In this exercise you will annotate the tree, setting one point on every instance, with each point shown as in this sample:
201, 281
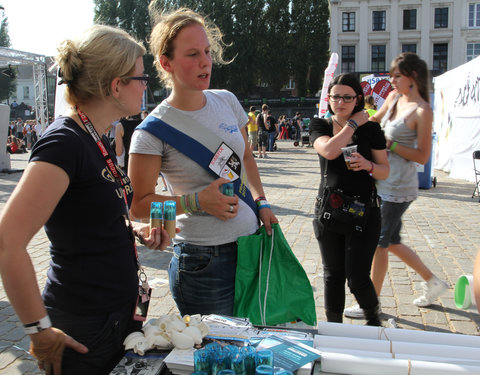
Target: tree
268, 40
7, 84
310, 34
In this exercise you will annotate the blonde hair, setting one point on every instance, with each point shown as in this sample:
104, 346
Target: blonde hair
168, 25
89, 63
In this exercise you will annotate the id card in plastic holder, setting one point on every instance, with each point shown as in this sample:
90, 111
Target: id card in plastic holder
143, 301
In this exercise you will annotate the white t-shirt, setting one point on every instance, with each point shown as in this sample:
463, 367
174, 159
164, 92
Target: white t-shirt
224, 116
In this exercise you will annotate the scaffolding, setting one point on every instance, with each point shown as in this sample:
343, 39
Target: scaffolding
9, 56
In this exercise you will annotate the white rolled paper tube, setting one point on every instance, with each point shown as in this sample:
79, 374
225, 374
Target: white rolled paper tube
463, 352
353, 343
464, 293
435, 368
368, 332
354, 365
427, 358
358, 353
348, 330
437, 338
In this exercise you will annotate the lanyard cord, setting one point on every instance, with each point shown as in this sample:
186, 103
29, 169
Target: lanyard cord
113, 169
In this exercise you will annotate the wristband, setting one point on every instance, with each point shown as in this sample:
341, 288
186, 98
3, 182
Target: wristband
393, 146
370, 172
38, 326
260, 199
263, 206
261, 202
197, 201
353, 124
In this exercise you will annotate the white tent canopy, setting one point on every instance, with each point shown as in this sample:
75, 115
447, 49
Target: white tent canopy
457, 119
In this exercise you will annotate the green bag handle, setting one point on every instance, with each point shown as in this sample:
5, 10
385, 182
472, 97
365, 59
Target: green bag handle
263, 313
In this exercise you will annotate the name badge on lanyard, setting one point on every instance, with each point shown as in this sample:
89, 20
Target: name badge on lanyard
226, 163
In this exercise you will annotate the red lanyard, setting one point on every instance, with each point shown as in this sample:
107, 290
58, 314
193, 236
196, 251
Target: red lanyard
113, 169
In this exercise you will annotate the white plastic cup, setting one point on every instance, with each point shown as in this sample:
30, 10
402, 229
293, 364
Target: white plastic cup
347, 154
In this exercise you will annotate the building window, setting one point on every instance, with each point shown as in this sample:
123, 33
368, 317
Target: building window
440, 57
441, 18
26, 92
348, 21
348, 59
409, 48
474, 15
378, 58
378, 20
473, 50
291, 84
409, 19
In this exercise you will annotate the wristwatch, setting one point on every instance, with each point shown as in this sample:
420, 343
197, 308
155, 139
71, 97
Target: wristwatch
38, 326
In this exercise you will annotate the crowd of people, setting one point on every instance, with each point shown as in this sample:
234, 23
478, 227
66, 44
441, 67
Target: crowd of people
23, 133
90, 301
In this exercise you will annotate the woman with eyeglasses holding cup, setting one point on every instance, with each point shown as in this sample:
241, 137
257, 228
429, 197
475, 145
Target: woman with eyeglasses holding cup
349, 256
73, 187
406, 118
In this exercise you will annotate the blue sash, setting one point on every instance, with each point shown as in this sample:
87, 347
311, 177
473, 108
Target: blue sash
172, 126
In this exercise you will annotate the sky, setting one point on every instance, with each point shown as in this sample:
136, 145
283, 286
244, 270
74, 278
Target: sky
38, 26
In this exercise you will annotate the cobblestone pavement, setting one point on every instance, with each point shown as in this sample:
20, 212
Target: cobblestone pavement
443, 226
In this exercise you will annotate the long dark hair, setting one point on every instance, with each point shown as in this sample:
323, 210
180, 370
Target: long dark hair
348, 79
410, 65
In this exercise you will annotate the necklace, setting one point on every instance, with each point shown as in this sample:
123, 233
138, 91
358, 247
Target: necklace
334, 119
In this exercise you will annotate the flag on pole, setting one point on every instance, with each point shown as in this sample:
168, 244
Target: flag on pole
329, 72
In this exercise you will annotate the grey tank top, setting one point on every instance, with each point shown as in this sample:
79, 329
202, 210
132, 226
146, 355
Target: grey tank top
402, 182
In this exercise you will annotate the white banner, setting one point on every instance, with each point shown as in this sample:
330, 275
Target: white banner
327, 78
457, 119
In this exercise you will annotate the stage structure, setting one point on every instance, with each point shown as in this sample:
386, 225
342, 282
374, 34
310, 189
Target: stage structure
11, 57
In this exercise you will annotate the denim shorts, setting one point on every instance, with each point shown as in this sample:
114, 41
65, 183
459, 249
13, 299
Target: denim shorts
202, 278
392, 213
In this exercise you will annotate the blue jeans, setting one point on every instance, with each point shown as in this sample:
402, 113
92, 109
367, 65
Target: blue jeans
202, 278
391, 223
102, 334
271, 141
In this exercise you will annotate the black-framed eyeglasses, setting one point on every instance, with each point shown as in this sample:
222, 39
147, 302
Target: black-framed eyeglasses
345, 98
145, 78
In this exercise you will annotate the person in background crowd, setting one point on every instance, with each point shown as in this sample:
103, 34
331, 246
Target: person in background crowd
184, 45
252, 130
406, 118
370, 105
272, 131
123, 135
262, 132
73, 188
349, 257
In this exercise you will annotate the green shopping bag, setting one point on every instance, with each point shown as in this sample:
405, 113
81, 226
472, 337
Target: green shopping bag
271, 286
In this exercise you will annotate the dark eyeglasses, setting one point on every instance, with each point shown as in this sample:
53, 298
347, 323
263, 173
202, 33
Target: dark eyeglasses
345, 98
145, 78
